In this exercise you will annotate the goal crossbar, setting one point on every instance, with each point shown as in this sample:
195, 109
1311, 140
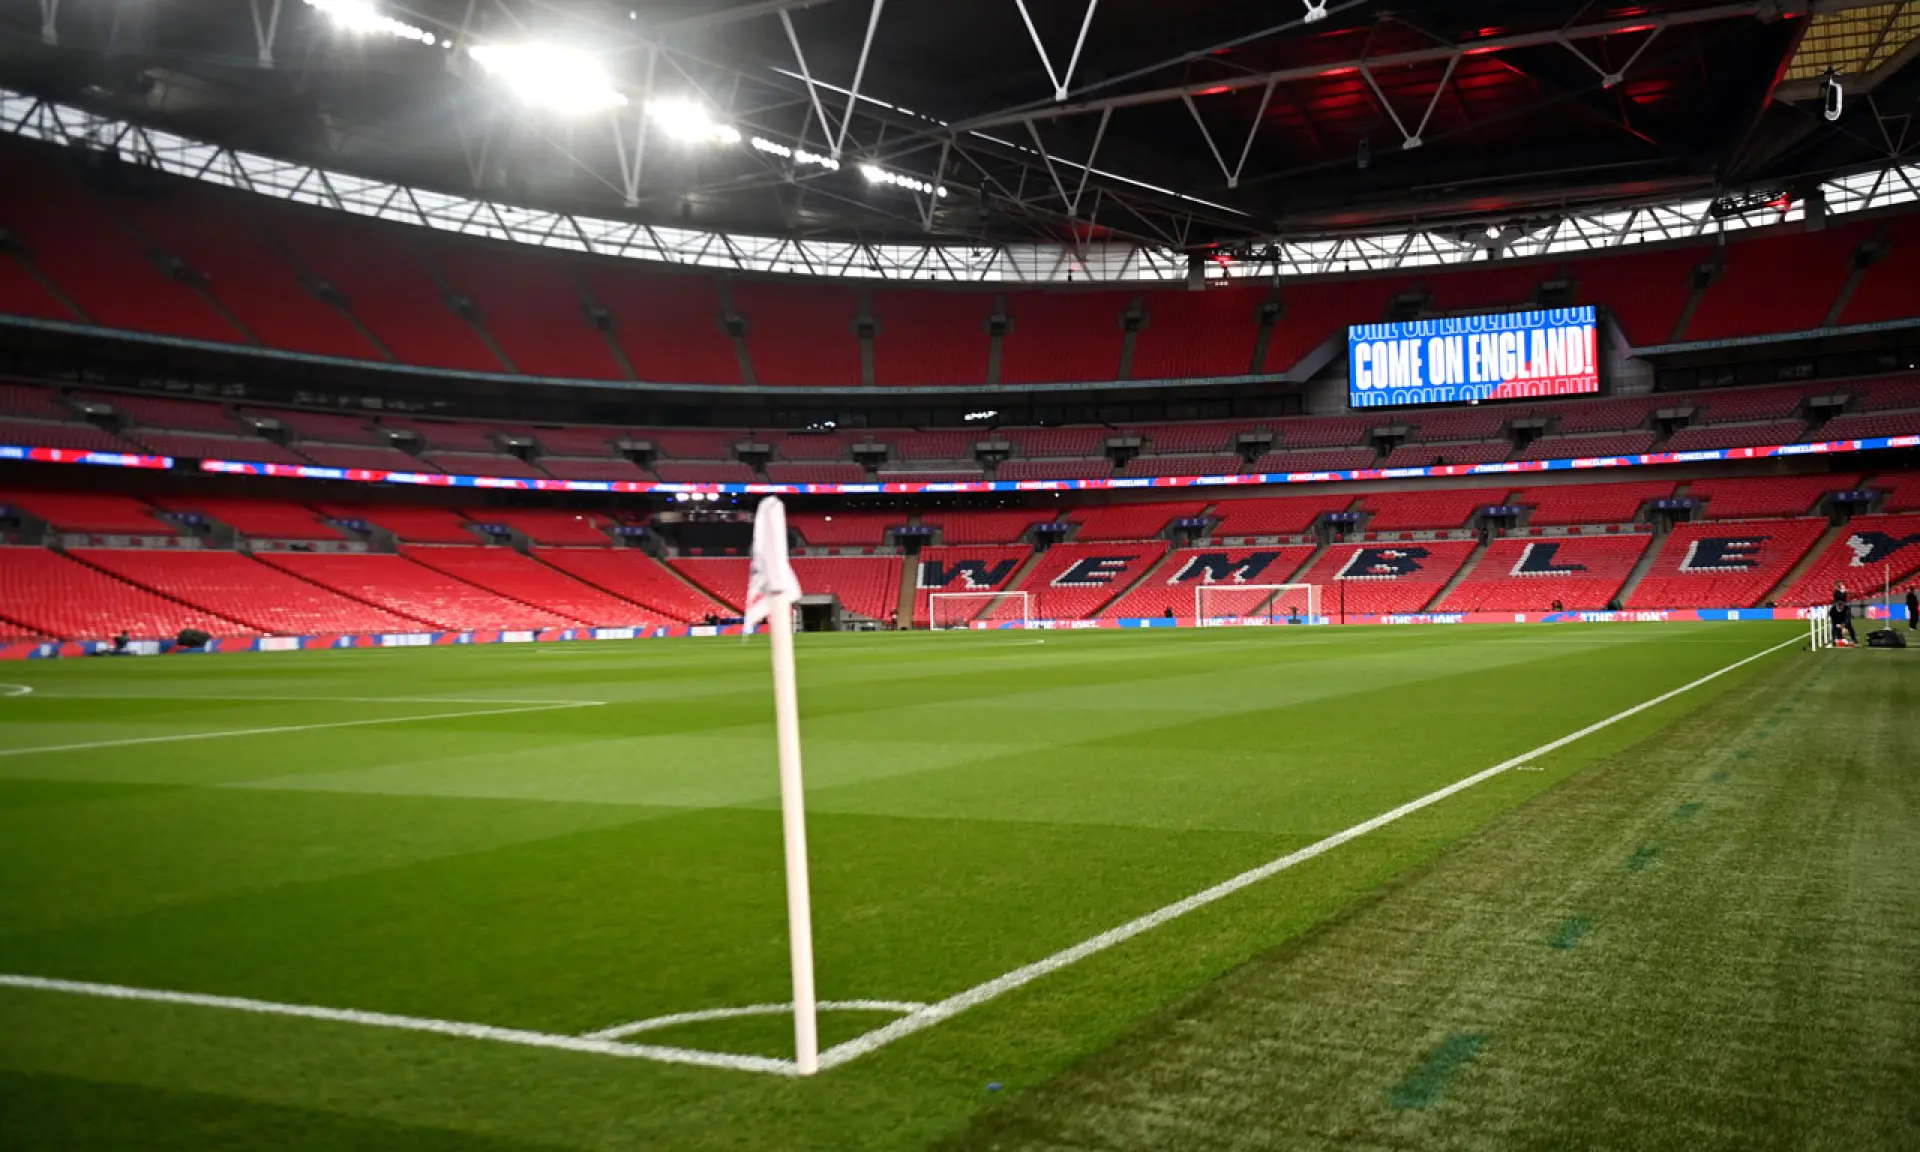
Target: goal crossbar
1265, 602
988, 605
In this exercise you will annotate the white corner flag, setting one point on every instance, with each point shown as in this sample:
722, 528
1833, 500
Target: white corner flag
772, 589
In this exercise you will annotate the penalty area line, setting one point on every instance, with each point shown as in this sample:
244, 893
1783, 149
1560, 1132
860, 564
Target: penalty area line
1000, 985
177, 737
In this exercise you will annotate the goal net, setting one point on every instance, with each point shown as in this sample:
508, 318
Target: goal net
1219, 604
978, 609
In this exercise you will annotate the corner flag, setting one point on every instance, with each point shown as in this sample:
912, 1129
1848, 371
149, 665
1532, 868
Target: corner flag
772, 589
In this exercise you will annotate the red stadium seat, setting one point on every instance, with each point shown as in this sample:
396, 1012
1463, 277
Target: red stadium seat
1615, 503
1062, 337
1077, 581
1713, 436
53, 595
866, 585
800, 335
102, 513
526, 580
259, 519
532, 306
258, 595
1743, 497
548, 526
1189, 335
415, 525
1436, 508
634, 576
1173, 585
416, 591
1871, 555
844, 529
1275, 516
925, 337
965, 568
1529, 575
1717, 565
1385, 578
1131, 521
1783, 280
666, 323
984, 527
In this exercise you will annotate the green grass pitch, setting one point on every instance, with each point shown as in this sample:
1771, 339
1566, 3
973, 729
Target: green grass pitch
430, 834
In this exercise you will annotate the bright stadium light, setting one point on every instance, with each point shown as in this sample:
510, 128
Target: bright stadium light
562, 79
689, 122
800, 156
878, 175
361, 16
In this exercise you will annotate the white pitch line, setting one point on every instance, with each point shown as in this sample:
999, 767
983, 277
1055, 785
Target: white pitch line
518, 1036
291, 728
15, 690
184, 697
1000, 985
656, 1023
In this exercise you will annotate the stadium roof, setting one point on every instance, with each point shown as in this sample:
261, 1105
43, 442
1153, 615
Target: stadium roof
1056, 122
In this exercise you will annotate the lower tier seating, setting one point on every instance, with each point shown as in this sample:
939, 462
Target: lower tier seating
47, 593
413, 590
258, 519
1870, 553
1385, 578
262, 597
722, 577
92, 512
1724, 565
633, 575
1172, 587
1076, 581
964, 569
1529, 575
867, 585
1131, 521
523, 579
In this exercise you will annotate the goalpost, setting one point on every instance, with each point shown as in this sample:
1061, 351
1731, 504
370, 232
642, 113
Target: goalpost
966, 609
1221, 604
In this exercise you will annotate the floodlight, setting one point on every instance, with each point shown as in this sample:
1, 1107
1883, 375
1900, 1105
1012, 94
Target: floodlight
361, 16
689, 122
797, 155
562, 79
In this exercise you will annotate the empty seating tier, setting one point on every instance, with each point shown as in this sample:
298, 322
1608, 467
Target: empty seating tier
1172, 586
1530, 575
92, 512
1076, 581
262, 597
526, 580
1275, 516
416, 591
840, 529
968, 569
634, 576
411, 524
1439, 508
866, 585
1131, 521
986, 527
1388, 578
1743, 497
52, 595
1705, 564
1617, 503
259, 519
1870, 555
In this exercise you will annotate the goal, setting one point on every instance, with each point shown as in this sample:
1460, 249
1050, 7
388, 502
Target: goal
1221, 604
978, 609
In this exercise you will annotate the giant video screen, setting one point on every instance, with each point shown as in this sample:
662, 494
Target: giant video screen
1470, 358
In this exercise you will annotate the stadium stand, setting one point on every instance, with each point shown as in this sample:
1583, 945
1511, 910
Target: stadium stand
724, 578
1752, 296
1061, 336
1197, 334
1274, 516
166, 413
525, 580
1871, 554
866, 585
414, 525
1198, 437
368, 459
390, 290
1625, 414
666, 324
1866, 425
691, 443
1326, 460
934, 475
53, 595
1424, 455
216, 233
1888, 290
1131, 521
261, 597
1077, 441
1902, 491
32, 403
191, 447
780, 473
328, 427
1476, 423
1172, 586
1312, 314
1732, 565
843, 529
1323, 432
1644, 292
914, 445
965, 568
1054, 470
547, 526
1385, 578
531, 306
77, 241
1613, 503
800, 335
258, 519
1074, 581
1479, 288
1891, 392
1742, 497
103, 513
995, 527
447, 435
824, 447
405, 588
564, 469
689, 472
1571, 447
1736, 404
924, 337
1180, 466
46, 434
1435, 508
23, 294
577, 441
1522, 575
635, 576
1734, 436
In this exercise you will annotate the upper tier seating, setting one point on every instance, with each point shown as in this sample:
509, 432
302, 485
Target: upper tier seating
995, 527
633, 575
1622, 414
389, 288
1188, 335
1314, 313
844, 529
1173, 585
1728, 498
1612, 503
531, 305
215, 232
1476, 423
482, 464
549, 526
1426, 455
1385, 577
578, 441
77, 240
166, 412
563, 469
1054, 470
1076, 581
1204, 436
415, 525
1061, 336
866, 585
365, 459
1325, 460
1275, 516
666, 323
1435, 508
1889, 290
526, 580
249, 448
1868, 425
926, 337
1131, 521
413, 590
1484, 288
966, 568
1782, 281
1180, 466
52, 595
22, 293
1078, 441
1644, 292
1869, 554
258, 519
800, 335
1882, 394
30, 403
1521, 575
261, 597
1734, 436
328, 427
1706, 564
1581, 447
693, 472
103, 513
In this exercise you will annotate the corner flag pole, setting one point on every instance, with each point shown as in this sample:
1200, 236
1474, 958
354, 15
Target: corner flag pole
772, 590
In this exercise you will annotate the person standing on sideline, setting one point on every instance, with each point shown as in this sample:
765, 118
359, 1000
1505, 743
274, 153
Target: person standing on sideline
1913, 610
